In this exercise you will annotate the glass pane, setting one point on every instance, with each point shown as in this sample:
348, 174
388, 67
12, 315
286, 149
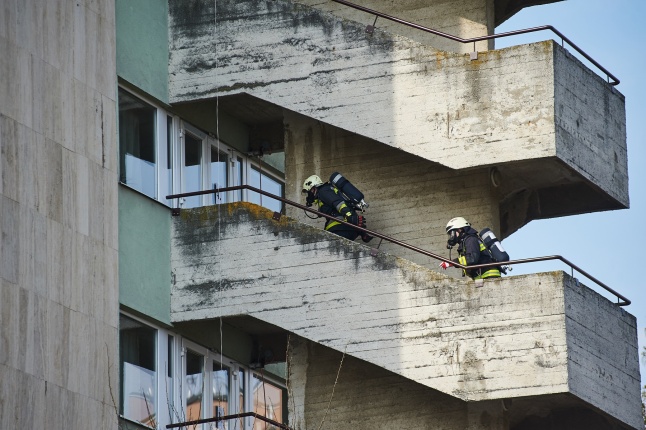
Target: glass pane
194, 385
267, 401
218, 175
169, 158
265, 183
241, 396
192, 169
237, 179
137, 144
137, 358
169, 367
220, 386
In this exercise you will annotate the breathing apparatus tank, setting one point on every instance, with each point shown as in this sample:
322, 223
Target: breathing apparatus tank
350, 192
493, 244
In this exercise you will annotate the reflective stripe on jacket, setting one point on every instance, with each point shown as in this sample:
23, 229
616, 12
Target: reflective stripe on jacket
331, 203
471, 252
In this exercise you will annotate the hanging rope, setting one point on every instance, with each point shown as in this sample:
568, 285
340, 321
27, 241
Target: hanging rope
333, 387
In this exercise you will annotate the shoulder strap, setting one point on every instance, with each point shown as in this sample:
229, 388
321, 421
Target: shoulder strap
487, 248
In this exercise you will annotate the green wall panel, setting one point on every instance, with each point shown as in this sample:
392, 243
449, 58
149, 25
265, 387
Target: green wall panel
144, 255
142, 45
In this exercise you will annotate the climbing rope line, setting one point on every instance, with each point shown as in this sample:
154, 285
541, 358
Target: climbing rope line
333, 388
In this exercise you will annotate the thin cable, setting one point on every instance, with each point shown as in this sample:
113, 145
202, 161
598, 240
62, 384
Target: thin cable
215, 200
333, 387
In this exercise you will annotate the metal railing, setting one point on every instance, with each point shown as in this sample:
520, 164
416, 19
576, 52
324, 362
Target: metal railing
624, 301
229, 417
473, 40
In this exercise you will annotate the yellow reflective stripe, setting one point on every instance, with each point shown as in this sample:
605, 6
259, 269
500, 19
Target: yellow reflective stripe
463, 261
491, 273
332, 224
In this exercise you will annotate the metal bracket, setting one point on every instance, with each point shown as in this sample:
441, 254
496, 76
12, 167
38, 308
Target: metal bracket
175, 211
473, 55
371, 28
276, 216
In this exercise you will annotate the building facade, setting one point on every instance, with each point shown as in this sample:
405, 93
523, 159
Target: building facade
122, 307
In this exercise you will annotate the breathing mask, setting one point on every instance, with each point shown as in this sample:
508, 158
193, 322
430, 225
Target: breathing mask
453, 239
309, 200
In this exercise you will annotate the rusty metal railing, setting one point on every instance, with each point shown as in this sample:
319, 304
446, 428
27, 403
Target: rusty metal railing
473, 40
624, 301
229, 417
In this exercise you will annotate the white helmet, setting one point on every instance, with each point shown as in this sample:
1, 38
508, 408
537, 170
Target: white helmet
312, 181
455, 223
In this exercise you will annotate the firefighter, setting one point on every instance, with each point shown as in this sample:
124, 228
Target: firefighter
331, 202
471, 249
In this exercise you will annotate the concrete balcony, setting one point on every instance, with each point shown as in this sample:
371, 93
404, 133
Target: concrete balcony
535, 338
553, 129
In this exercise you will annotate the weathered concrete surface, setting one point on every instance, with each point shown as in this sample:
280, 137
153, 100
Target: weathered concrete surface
512, 338
343, 392
508, 106
411, 199
461, 18
58, 215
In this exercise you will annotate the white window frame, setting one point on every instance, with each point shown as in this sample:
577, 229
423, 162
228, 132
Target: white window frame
209, 359
179, 128
198, 135
161, 142
167, 399
252, 163
175, 149
224, 148
161, 347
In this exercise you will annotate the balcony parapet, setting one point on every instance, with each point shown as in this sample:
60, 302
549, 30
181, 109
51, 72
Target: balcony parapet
519, 336
539, 115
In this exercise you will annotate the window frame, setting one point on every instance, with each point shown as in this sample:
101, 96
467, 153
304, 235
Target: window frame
170, 131
170, 393
269, 171
161, 132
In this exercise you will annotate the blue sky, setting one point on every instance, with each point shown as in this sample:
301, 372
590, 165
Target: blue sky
608, 245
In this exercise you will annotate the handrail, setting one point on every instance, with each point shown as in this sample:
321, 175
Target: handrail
625, 301
229, 417
491, 36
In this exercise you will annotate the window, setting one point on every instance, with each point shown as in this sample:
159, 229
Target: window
267, 183
170, 145
219, 175
138, 369
194, 385
147, 144
166, 378
192, 169
220, 388
137, 144
161, 154
268, 400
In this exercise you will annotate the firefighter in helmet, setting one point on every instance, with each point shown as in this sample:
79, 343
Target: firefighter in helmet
471, 249
331, 202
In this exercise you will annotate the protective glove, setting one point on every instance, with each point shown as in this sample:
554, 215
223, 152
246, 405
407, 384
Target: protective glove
352, 217
444, 265
362, 221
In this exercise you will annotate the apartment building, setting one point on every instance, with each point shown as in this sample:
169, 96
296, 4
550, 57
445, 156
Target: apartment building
122, 307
